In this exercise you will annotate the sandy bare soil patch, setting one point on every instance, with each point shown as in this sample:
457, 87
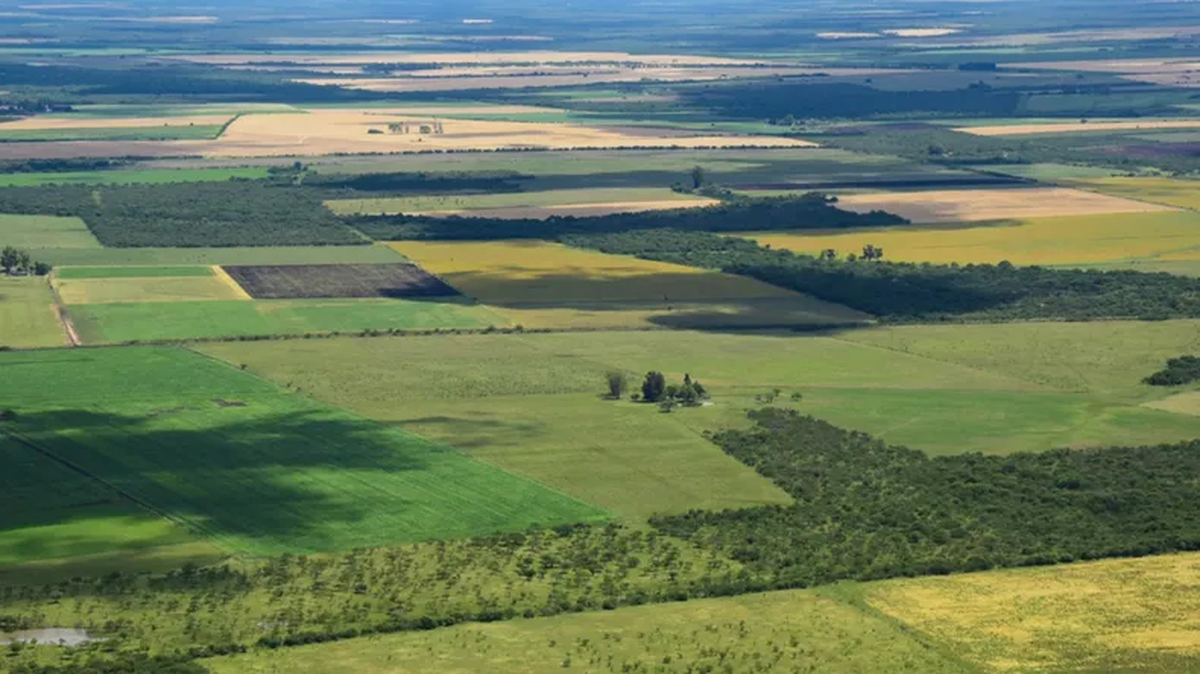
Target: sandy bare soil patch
997, 204
575, 210
1074, 127
518, 57
334, 131
43, 123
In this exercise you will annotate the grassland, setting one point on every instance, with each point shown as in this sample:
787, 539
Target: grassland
1113, 615
531, 403
266, 471
146, 321
777, 632
540, 284
111, 290
132, 176
27, 315
76, 273
1182, 193
198, 132
46, 231
217, 256
1061, 240
467, 203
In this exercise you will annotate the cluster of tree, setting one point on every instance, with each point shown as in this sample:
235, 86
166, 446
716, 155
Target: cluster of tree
656, 390
810, 211
867, 510
232, 213
58, 165
422, 182
15, 261
1179, 371
921, 292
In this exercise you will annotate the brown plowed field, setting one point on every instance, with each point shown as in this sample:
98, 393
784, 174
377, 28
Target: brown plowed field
277, 282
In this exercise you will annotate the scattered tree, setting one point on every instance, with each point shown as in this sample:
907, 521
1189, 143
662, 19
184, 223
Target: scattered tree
617, 383
698, 177
654, 387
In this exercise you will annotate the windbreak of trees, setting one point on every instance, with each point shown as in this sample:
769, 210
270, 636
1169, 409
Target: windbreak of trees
867, 510
17, 261
58, 165
1179, 371
906, 292
810, 211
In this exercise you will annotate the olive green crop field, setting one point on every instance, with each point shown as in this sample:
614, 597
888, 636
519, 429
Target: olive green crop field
241, 462
532, 403
27, 316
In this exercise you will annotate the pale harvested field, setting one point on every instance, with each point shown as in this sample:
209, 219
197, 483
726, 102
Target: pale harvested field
922, 32
1119, 66
39, 123
999, 204
1075, 127
337, 131
1092, 616
1059, 240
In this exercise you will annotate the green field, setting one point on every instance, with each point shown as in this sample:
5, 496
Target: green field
196, 132
27, 316
145, 321
253, 467
70, 273
794, 631
132, 176
46, 231
66, 256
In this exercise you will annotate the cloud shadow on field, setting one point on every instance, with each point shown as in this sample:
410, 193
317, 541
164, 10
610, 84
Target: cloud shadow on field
307, 480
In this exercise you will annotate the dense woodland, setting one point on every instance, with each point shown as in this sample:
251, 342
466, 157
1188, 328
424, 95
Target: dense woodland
1179, 371
868, 510
909, 292
811, 211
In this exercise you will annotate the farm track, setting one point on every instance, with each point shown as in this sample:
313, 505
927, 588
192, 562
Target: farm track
60, 310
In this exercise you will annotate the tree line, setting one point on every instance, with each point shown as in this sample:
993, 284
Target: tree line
18, 262
910, 292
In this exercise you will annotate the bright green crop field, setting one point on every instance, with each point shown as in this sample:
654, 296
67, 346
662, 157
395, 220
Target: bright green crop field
132, 176
45, 231
62, 255
27, 317
148, 321
195, 132
72, 273
252, 467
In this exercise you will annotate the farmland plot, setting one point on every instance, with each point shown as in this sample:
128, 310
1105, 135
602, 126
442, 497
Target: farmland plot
27, 315
401, 281
999, 204
253, 467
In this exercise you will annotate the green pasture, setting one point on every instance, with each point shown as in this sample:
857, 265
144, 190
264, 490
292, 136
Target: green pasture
37, 232
64, 256
132, 176
146, 321
73, 273
1051, 172
793, 631
27, 317
192, 132
254, 467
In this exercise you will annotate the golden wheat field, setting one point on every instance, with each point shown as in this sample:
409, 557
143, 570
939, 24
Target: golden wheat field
1053, 240
1095, 616
539, 284
993, 204
339, 131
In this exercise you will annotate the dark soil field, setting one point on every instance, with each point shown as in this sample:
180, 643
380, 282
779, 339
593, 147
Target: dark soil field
276, 282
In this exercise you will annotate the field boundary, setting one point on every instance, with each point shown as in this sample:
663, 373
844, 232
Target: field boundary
60, 310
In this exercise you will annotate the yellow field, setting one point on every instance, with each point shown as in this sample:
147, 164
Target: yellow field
1075, 127
39, 123
1095, 616
551, 202
225, 279
1061, 240
1187, 402
539, 284
1169, 191
147, 289
336, 131
995, 204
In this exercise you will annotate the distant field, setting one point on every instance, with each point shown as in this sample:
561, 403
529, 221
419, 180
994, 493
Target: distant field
66, 122
1050, 240
792, 631
100, 290
72, 273
266, 471
123, 322
1051, 172
218, 256
132, 176
996, 204
27, 316
199, 132
1112, 615
1076, 127
396, 281
467, 203
45, 231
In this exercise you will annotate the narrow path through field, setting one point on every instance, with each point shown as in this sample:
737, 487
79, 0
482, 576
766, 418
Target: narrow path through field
60, 310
